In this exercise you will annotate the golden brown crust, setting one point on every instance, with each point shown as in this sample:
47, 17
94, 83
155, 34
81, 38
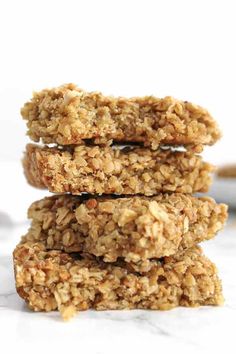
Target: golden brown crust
68, 115
136, 229
50, 280
106, 170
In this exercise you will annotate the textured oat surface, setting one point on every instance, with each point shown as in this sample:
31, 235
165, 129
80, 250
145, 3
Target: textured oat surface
136, 229
50, 280
105, 170
67, 115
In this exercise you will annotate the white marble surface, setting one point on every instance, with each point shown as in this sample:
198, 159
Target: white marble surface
180, 330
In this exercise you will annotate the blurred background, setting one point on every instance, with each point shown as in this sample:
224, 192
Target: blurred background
181, 48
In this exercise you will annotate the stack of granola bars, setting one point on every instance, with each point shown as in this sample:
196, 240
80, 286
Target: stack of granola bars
123, 232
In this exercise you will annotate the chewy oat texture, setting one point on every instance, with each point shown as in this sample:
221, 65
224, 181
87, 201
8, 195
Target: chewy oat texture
105, 170
136, 229
50, 280
68, 115
124, 234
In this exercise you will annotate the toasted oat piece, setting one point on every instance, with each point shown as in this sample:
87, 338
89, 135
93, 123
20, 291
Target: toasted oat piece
50, 280
105, 170
135, 229
68, 115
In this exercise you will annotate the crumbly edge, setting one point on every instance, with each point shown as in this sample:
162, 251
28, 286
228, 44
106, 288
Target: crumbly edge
137, 229
227, 171
106, 170
68, 115
51, 280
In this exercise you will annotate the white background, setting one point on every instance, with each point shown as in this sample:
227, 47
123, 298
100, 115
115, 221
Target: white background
181, 48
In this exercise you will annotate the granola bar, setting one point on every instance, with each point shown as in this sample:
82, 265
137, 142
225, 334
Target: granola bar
68, 115
135, 229
105, 170
51, 280
227, 171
